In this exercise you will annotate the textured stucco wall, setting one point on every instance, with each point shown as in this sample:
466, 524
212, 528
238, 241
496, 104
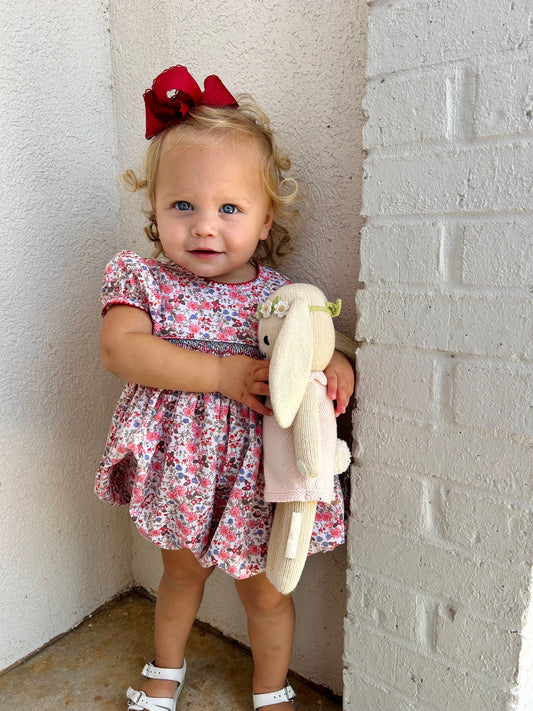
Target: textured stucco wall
303, 63
62, 553
441, 544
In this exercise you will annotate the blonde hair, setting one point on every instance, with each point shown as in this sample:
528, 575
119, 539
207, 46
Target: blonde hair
209, 126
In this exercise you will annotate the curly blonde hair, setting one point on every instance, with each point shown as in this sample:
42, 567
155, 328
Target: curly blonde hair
208, 125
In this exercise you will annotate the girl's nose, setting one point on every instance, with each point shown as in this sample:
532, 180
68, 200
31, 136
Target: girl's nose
204, 226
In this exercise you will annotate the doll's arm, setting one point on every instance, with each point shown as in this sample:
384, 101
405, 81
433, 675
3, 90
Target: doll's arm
341, 381
307, 436
129, 350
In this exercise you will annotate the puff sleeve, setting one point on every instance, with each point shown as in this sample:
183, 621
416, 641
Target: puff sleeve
129, 281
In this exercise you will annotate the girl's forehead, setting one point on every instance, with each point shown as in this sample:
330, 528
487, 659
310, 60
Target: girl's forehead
227, 158
206, 141
227, 167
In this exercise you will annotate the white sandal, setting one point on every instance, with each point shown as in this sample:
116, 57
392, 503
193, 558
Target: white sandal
285, 694
141, 702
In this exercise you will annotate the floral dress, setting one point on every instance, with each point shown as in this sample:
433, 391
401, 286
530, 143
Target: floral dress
189, 464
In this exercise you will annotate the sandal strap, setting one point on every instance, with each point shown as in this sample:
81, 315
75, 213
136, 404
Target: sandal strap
149, 703
150, 671
285, 694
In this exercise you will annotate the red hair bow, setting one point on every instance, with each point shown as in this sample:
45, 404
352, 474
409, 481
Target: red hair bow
174, 93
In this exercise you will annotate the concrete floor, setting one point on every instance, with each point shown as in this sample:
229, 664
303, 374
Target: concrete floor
90, 668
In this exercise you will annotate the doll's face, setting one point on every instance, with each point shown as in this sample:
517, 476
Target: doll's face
269, 329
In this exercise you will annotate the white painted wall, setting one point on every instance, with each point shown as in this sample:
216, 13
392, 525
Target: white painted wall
441, 537
303, 62
62, 553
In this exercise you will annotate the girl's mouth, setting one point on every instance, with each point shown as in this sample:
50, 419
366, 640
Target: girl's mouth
204, 253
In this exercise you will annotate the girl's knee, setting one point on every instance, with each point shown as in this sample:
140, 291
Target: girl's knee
259, 596
181, 568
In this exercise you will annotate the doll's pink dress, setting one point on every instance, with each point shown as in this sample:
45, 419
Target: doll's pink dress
189, 464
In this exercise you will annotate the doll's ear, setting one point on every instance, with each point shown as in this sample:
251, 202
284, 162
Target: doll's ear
290, 365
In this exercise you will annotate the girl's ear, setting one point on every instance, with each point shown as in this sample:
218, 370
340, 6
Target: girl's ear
269, 219
290, 365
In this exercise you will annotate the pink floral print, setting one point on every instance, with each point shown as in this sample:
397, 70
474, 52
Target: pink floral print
189, 464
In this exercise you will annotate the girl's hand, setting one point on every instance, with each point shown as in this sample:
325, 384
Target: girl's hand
341, 381
245, 380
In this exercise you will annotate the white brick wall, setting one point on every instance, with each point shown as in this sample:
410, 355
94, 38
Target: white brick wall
441, 530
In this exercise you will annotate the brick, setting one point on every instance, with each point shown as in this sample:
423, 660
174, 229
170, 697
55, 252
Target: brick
403, 380
476, 644
360, 694
440, 684
402, 254
377, 655
427, 683
486, 460
383, 604
492, 397
456, 323
456, 180
428, 33
501, 530
492, 326
392, 500
417, 320
498, 254
406, 109
504, 97
488, 589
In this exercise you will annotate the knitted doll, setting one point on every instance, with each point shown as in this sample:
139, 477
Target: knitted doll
301, 450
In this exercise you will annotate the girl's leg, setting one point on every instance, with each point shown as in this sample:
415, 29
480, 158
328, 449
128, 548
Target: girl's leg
178, 600
270, 629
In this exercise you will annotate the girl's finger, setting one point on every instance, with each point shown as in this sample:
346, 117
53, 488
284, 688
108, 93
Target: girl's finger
332, 386
260, 388
262, 374
342, 402
257, 406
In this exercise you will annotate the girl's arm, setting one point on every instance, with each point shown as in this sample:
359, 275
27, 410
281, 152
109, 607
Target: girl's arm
130, 350
341, 381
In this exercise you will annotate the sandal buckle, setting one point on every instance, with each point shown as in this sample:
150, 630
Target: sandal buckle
134, 695
285, 694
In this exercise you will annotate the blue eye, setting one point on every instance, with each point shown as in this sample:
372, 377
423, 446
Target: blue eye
183, 205
229, 209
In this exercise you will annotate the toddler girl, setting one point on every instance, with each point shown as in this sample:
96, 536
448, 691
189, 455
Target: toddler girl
184, 448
